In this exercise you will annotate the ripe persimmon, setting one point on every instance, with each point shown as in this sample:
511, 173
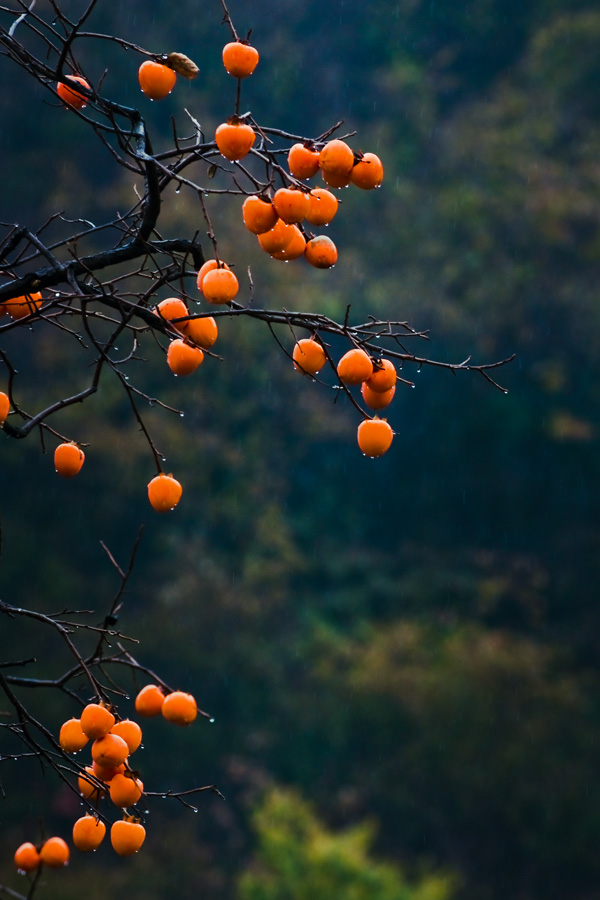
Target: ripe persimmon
27, 858
96, 720
258, 215
336, 179
130, 731
368, 172
164, 493
277, 238
68, 459
240, 59
183, 358
374, 437
355, 366
377, 400
110, 750
149, 700
220, 286
383, 377
19, 307
125, 790
107, 773
294, 249
156, 80
179, 708
291, 205
172, 308
86, 784
322, 207
336, 158
55, 853
207, 267
127, 836
71, 737
234, 138
4, 407
88, 833
202, 331
321, 252
303, 161
71, 97
309, 356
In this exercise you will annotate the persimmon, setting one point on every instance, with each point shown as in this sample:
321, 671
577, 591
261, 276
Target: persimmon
125, 790
277, 238
110, 750
377, 400
71, 97
156, 80
107, 773
220, 286
355, 366
258, 215
130, 731
164, 493
368, 172
336, 179
71, 737
179, 708
207, 267
149, 700
202, 331
294, 249
336, 158
68, 459
55, 852
308, 356
87, 786
374, 437
291, 205
127, 836
182, 358
234, 139
88, 833
321, 252
96, 720
4, 407
322, 206
240, 59
19, 307
383, 377
303, 161
27, 858
172, 308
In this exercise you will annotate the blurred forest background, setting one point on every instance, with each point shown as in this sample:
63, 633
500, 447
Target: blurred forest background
402, 656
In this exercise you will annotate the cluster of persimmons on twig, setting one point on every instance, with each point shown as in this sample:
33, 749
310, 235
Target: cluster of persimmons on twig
109, 785
102, 285
99, 297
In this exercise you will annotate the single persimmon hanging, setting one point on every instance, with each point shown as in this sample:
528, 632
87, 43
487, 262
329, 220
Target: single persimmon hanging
355, 366
240, 59
309, 356
68, 459
164, 493
72, 97
234, 138
303, 161
156, 80
374, 437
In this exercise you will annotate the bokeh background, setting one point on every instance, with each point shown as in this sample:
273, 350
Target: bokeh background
401, 655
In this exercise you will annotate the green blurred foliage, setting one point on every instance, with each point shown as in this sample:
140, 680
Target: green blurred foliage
299, 858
